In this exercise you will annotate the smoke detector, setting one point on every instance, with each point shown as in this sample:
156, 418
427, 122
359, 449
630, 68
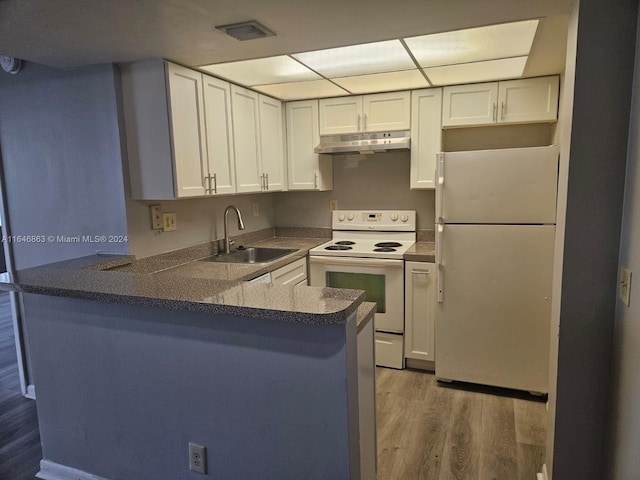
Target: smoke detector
10, 64
246, 30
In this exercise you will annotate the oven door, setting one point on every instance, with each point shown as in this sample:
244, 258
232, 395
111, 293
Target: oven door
381, 279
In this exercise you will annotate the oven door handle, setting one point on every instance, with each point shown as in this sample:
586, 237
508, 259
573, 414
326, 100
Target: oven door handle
357, 261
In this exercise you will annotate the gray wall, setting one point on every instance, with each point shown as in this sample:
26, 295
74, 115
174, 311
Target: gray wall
131, 386
199, 220
360, 182
60, 147
625, 462
602, 95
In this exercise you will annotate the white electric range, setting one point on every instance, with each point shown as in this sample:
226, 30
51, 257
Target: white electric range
366, 253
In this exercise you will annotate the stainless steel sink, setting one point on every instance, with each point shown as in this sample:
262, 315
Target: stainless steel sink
251, 255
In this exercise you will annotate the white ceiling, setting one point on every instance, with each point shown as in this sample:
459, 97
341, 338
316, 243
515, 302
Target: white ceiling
68, 33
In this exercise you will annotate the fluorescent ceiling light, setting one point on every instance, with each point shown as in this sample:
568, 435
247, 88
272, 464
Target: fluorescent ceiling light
302, 90
477, 72
280, 69
383, 82
474, 44
388, 56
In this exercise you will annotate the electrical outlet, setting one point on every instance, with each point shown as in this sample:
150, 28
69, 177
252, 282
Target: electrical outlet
333, 205
197, 458
624, 285
256, 209
156, 217
170, 223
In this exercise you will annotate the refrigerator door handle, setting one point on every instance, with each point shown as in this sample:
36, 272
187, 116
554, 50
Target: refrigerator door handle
440, 270
439, 186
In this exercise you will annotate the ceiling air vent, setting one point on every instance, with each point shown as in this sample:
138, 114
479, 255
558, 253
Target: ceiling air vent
246, 30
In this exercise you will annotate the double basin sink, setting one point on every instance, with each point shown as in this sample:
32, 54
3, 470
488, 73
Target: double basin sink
251, 255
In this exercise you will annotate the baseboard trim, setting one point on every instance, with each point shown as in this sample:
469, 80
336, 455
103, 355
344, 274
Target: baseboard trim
421, 364
54, 471
544, 475
31, 391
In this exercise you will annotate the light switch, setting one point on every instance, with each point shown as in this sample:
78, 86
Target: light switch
169, 222
624, 285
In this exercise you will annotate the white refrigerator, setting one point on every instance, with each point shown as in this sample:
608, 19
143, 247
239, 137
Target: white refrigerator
495, 214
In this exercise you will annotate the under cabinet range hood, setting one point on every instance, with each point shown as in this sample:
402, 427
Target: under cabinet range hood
364, 142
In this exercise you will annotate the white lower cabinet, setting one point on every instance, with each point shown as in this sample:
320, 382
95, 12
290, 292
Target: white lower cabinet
420, 303
295, 273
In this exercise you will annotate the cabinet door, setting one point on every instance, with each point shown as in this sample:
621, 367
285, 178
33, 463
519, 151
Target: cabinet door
187, 130
470, 104
340, 115
219, 135
246, 139
386, 111
528, 100
271, 143
307, 170
420, 307
426, 136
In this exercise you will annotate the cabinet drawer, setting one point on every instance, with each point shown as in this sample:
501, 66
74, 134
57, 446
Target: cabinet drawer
389, 350
292, 274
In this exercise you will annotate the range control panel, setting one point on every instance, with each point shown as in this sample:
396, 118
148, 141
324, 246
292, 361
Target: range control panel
379, 220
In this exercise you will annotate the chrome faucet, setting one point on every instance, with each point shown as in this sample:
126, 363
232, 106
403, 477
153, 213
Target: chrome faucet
227, 243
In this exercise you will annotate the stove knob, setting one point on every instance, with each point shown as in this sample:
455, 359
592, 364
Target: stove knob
341, 217
350, 216
394, 217
404, 218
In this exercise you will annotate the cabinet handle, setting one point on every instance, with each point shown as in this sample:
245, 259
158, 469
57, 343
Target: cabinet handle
315, 180
495, 112
358, 122
413, 272
365, 122
215, 184
266, 176
502, 111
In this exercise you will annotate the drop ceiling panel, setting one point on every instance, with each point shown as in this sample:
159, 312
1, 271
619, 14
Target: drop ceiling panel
302, 90
383, 82
474, 44
262, 71
378, 57
477, 72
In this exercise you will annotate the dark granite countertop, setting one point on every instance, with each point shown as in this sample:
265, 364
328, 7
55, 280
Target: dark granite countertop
366, 311
178, 281
421, 252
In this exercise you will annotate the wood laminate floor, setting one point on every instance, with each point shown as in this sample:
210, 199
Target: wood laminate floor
20, 450
428, 431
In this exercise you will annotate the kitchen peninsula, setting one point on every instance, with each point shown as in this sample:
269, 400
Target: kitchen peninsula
132, 364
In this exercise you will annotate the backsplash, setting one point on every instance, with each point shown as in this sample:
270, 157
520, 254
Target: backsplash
360, 182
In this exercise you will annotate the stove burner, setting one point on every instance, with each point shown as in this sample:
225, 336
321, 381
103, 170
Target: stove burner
345, 242
384, 249
388, 245
337, 247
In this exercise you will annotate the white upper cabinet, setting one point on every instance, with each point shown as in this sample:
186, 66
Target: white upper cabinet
164, 119
307, 170
271, 144
386, 112
187, 130
528, 100
469, 104
340, 115
514, 101
367, 113
246, 139
219, 136
426, 135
